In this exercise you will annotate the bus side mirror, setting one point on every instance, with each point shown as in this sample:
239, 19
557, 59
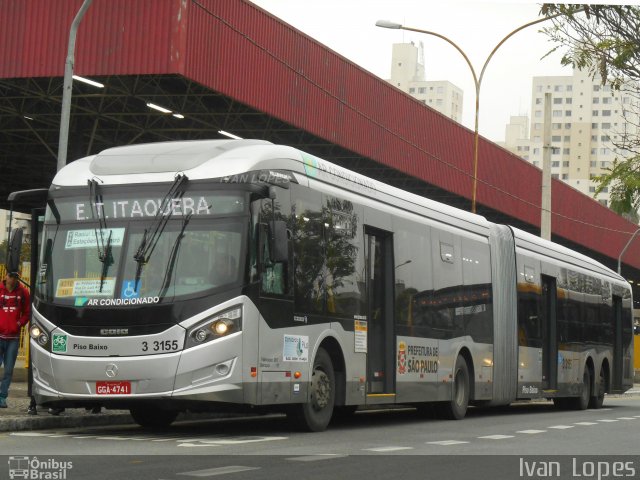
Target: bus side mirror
13, 252
279, 242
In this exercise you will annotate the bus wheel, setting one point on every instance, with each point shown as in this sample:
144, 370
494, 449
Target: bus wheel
456, 408
582, 402
597, 398
148, 416
315, 415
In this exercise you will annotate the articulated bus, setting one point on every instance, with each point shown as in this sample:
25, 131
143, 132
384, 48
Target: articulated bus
198, 276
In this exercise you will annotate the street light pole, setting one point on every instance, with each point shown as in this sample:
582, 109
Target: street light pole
476, 79
68, 85
625, 249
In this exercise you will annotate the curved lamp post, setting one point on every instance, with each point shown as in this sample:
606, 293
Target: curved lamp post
477, 80
625, 249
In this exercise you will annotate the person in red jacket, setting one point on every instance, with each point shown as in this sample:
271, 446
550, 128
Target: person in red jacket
14, 313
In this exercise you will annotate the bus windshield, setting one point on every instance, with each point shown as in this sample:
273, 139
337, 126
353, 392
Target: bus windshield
85, 263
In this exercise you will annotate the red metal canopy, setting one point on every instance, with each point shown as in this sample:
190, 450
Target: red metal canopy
241, 51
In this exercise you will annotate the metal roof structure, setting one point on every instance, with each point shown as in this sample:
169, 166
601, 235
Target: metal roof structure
229, 65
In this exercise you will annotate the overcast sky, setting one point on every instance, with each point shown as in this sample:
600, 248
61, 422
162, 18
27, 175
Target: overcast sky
348, 27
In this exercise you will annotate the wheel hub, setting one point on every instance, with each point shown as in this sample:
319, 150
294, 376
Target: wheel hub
321, 389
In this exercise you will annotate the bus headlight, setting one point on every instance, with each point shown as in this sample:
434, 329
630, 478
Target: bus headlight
222, 327
39, 334
222, 324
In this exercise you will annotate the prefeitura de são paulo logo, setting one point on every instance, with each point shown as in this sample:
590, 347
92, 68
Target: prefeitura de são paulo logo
402, 358
38, 469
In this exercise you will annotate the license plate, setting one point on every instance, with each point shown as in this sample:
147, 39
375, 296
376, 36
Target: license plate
113, 388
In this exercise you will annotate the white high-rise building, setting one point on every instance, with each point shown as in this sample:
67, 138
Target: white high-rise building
516, 136
408, 74
587, 119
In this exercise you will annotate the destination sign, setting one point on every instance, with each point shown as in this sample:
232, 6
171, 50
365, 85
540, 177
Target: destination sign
145, 207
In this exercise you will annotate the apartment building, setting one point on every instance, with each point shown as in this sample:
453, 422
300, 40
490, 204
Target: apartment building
587, 120
408, 74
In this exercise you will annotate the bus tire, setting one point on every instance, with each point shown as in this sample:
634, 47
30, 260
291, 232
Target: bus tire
597, 396
456, 408
148, 416
582, 402
316, 413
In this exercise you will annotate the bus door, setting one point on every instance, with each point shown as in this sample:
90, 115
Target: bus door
380, 335
549, 335
617, 343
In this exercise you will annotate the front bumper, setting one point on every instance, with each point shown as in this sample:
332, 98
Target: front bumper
210, 372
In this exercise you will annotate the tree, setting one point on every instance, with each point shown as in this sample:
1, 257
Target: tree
605, 41
602, 39
623, 181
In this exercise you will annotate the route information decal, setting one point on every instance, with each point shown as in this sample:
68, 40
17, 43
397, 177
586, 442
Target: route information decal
85, 287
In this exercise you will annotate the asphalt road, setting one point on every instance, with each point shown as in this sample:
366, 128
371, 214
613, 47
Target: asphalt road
489, 443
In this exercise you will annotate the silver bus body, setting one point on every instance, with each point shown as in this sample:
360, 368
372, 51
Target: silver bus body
454, 288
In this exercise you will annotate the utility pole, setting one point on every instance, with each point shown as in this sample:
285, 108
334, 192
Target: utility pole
545, 210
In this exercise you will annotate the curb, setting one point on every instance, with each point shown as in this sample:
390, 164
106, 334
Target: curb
42, 422
45, 421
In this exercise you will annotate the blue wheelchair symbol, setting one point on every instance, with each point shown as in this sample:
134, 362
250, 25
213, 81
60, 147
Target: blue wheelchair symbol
129, 290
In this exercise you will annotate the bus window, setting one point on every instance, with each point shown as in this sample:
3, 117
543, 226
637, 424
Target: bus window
273, 274
308, 241
344, 258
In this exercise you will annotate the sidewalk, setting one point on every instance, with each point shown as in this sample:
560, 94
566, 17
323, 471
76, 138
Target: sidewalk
15, 417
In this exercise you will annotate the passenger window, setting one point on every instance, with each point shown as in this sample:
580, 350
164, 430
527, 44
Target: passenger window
309, 254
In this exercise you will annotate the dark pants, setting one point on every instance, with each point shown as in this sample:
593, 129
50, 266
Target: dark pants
8, 355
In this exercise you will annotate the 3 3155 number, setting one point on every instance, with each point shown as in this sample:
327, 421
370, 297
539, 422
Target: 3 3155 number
160, 346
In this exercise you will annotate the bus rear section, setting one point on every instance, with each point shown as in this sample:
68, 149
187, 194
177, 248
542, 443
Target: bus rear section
574, 326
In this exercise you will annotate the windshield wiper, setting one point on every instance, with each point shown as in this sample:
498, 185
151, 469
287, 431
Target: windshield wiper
173, 256
107, 261
104, 251
95, 199
149, 241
